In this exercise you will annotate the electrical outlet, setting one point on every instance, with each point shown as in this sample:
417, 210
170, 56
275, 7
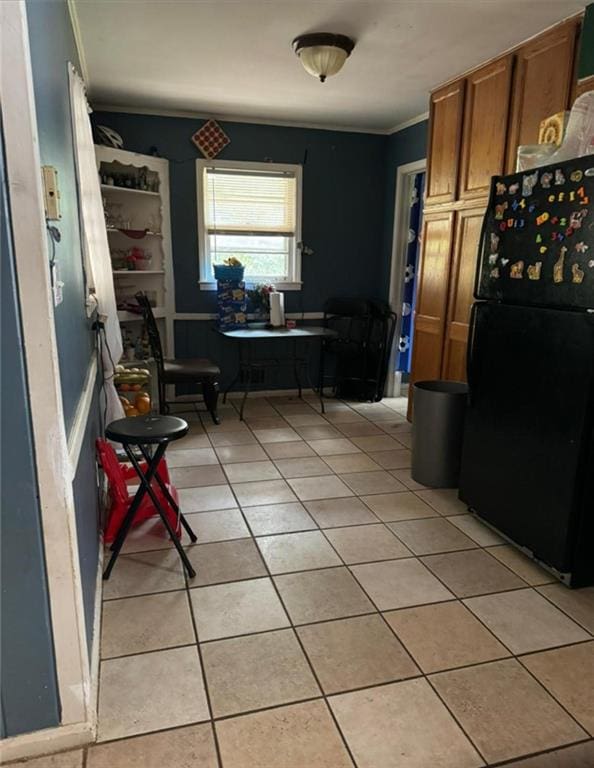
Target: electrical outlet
51, 193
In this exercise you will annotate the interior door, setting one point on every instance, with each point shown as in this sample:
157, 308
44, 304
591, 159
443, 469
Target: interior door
445, 129
542, 84
486, 111
464, 260
431, 305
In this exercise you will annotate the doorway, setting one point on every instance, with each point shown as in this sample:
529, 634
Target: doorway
405, 262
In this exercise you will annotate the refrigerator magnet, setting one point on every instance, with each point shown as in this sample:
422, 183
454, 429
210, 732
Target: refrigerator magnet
494, 273
534, 271
545, 180
559, 177
500, 210
558, 266
581, 247
576, 176
576, 218
494, 242
513, 188
500, 188
591, 263
528, 183
493, 259
577, 274
516, 271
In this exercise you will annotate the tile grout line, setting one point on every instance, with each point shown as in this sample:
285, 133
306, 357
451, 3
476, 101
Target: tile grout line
271, 578
305, 655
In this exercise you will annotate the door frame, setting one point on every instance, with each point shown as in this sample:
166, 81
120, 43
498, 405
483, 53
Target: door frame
51, 456
404, 176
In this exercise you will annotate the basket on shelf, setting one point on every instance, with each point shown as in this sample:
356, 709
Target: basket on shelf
225, 272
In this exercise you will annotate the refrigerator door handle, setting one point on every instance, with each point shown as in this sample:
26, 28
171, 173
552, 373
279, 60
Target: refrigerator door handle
470, 351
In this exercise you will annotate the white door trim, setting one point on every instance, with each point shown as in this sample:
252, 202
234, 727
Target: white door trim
404, 174
45, 396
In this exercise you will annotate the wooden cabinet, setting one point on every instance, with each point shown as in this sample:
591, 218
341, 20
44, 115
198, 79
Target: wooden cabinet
476, 125
486, 111
430, 311
464, 258
445, 127
542, 84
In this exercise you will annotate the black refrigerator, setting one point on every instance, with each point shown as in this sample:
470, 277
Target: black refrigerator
528, 455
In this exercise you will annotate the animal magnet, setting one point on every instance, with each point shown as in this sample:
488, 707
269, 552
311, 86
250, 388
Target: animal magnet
500, 210
494, 273
513, 188
494, 242
500, 188
576, 218
528, 182
559, 177
577, 274
576, 176
534, 271
516, 271
493, 259
558, 266
504, 262
545, 180
591, 263
581, 247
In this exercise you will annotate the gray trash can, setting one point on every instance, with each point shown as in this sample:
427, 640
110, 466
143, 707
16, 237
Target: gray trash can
438, 424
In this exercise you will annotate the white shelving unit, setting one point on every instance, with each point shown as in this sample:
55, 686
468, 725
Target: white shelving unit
136, 200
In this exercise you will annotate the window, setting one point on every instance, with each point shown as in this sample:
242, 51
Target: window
251, 211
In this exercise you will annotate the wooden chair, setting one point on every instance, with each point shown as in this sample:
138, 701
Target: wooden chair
195, 370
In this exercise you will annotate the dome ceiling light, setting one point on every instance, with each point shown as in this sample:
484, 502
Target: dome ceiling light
323, 54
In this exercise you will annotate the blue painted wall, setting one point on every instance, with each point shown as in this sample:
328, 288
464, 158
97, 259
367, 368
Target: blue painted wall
343, 191
52, 47
29, 698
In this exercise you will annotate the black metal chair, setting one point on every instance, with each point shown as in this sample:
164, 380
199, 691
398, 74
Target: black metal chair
194, 370
361, 349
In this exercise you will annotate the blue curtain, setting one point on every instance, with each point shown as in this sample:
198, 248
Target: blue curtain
410, 274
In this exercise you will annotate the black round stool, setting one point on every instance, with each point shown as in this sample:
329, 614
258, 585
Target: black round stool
142, 432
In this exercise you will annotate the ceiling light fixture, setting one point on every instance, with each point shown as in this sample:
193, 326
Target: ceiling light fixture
323, 54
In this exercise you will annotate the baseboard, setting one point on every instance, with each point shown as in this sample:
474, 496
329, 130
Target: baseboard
47, 741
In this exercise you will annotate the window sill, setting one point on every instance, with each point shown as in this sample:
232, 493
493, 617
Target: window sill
206, 285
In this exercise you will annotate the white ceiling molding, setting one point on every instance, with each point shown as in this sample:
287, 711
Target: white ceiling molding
408, 123
237, 119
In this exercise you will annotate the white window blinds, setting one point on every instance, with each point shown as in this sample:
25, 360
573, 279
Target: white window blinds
249, 202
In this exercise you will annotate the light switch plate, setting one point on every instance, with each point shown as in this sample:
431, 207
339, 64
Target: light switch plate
51, 193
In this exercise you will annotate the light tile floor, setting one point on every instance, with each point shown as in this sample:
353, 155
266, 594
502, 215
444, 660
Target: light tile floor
342, 615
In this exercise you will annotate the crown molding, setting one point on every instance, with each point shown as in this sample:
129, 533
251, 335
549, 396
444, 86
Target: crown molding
101, 107
408, 123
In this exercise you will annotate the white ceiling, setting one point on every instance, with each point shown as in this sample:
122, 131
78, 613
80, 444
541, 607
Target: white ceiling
233, 58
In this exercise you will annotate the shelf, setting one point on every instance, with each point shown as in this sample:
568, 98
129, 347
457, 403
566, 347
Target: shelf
113, 188
147, 233
128, 272
132, 317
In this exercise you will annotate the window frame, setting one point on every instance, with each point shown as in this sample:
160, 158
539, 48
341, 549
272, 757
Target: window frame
206, 282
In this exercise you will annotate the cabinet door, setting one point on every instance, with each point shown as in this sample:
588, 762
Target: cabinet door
432, 295
486, 111
542, 84
464, 260
444, 142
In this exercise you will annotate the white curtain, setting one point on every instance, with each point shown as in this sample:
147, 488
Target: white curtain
94, 242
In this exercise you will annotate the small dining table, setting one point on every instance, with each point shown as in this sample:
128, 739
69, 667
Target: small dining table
247, 338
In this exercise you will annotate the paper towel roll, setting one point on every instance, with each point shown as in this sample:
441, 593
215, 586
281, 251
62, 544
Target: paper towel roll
277, 308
